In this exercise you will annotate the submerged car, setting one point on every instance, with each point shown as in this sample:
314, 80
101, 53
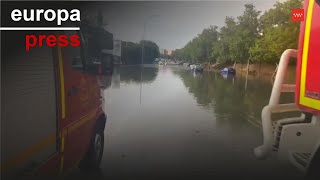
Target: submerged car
228, 71
196, 67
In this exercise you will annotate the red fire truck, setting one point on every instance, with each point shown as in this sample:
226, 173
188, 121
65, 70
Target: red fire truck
52, 117
297, 139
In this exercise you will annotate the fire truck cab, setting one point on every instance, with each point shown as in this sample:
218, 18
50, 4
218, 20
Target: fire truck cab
297, 139
52, 117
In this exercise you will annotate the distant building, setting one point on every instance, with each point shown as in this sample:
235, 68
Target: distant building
162, 51
165, 52
169, 52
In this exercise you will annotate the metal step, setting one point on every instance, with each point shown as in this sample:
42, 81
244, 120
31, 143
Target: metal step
277, 133
277, 128
301, 159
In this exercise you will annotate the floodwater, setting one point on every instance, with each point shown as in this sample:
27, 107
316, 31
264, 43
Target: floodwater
170, 123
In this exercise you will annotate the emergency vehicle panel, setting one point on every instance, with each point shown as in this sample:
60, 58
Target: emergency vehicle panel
308, 67
29, 110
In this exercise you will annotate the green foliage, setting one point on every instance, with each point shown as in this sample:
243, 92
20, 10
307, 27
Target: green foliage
236, 37
279, 33
151, 51
249, 36
199, 48
131, 52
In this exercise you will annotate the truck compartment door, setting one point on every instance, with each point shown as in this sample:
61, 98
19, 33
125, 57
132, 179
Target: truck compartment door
29, 112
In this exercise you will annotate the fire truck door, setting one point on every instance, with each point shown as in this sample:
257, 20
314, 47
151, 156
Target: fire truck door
29, 113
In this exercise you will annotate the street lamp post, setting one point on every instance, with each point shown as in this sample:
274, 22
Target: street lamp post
143, 36
142, 50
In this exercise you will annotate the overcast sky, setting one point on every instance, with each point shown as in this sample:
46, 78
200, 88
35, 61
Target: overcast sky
172, 24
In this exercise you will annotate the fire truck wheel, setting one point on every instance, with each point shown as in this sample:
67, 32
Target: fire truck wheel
92, 159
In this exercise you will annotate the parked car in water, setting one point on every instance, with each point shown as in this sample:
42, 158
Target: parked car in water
228, 71
196, 67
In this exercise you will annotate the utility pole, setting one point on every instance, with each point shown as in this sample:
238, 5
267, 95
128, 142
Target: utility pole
142, 51
142, 58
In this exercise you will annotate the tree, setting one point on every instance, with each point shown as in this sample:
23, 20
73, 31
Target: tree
221, 48
278, 32
237, 37
151, 51
131, 52
199, 48
247, 33
247, 37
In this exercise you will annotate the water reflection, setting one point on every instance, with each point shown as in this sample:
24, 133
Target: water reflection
231, 98
127, 75
228, 76
132, 74
116, 78
187, 126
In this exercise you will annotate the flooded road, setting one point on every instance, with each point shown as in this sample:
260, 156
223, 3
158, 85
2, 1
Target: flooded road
178, 125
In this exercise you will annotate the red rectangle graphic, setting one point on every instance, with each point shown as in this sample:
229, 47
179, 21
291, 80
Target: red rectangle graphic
297, 15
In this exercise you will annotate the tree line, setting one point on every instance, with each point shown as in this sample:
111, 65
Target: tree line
252, 36
131, 53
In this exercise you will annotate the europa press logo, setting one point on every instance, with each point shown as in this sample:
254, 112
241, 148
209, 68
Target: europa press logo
46, 15
297, 15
